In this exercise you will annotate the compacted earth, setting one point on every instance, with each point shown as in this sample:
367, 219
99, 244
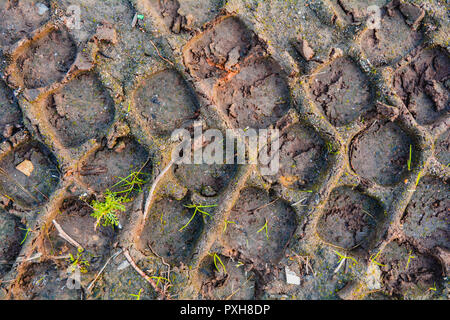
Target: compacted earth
93, 208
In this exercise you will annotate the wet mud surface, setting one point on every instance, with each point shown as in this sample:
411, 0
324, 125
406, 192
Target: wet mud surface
357, 210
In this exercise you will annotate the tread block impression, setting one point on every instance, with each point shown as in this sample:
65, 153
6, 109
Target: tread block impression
233, 282
394, 40
103, 168
80, 111
167, 11
207, 180
256, 97
259, 227
11, 235
442, 151
381, 153
19, 18
10, 114
43, 281
75, 219
302, 157
406, 272
341, 91
425, 220
32, 185
424, 85
350, 219
168, 232
220, 49
47, 59
165, 102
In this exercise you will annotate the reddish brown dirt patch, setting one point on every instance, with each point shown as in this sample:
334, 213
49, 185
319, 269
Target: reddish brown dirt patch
381, 153
255, 97
220, 49
442, 151
401, 278
341, 91
349, 219
165, 102
33, 190
392, 41
75, 219
80, 111
162, 234
426, 217
302, 157
233, 283
10, 238
43, 281
48, 59
251, 212
10, 114
103, 168
19, 18
424, 85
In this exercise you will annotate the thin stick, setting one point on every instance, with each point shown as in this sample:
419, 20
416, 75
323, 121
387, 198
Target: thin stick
101, 270
159, 54
65, 236
143, 275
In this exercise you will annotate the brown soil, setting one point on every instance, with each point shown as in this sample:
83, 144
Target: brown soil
251, 212
234, 284
442, 145
162, 234
350, 219
380, 154
10, 114
302, 157
400, 277
19, 19
341, 91
35, 189
11, 235
425, 220
80, 111
103, 168
165, 102
47, 60
423, 85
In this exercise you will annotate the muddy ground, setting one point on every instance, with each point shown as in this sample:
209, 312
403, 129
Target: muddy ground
90, 92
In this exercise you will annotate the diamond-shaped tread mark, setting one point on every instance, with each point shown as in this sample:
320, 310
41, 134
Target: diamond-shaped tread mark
381, 153
19, 18
426, 216
47, 59
424, 85
341, 91
259, 227
80, 111
165, 102
168, 231
33, 186
349, 219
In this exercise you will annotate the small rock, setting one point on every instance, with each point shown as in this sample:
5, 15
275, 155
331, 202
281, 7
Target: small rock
304, 49
291, 277
106, 33
388, 112
26, 167
42, 8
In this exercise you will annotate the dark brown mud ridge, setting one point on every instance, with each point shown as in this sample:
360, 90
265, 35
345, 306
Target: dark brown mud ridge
358, 209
